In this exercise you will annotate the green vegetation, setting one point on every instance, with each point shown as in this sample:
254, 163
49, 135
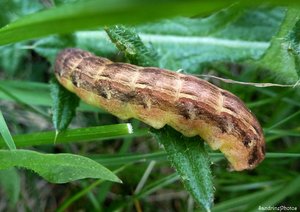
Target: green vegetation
61, 154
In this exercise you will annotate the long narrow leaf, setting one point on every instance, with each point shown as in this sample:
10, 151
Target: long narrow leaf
75, 135
6, 134
90, 14
289, 189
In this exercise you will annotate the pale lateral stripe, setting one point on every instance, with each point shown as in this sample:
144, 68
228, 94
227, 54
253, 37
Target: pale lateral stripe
143, 86
180, 95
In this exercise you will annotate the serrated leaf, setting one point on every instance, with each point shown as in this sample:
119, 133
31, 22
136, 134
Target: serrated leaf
128, 42
282, 58
64, 105
56, 168
192, 163
10, 182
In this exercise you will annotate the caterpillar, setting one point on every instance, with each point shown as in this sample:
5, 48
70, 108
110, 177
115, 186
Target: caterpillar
158, 97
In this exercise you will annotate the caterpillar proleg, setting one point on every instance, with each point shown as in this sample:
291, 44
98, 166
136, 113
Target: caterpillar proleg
158, 97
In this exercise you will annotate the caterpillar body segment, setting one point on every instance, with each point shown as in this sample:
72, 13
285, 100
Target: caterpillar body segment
158, 97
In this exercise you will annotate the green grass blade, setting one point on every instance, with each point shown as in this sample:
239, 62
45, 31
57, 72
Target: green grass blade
239, 203
120, 159
6, 134
75, 135
83, 192
282, 155
90, 14
288, 189
283, 121
147, 190
56, 168
156, 185
251, 186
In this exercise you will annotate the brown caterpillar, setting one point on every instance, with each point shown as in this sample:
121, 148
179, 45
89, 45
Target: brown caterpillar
157, 97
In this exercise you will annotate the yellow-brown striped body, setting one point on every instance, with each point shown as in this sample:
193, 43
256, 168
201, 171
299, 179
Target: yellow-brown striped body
158, 97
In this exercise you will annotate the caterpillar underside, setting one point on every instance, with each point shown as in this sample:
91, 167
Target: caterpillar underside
158, 97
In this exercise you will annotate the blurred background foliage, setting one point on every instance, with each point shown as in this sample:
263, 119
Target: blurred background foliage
239, 41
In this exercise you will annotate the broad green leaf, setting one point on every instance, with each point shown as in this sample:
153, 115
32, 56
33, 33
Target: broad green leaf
11, 57
192, 163
4, 131
56, 168
49, 47
90, 14
76, 135
10, 182
99, 44
129, 43
64, 105
232, 34
282, 58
